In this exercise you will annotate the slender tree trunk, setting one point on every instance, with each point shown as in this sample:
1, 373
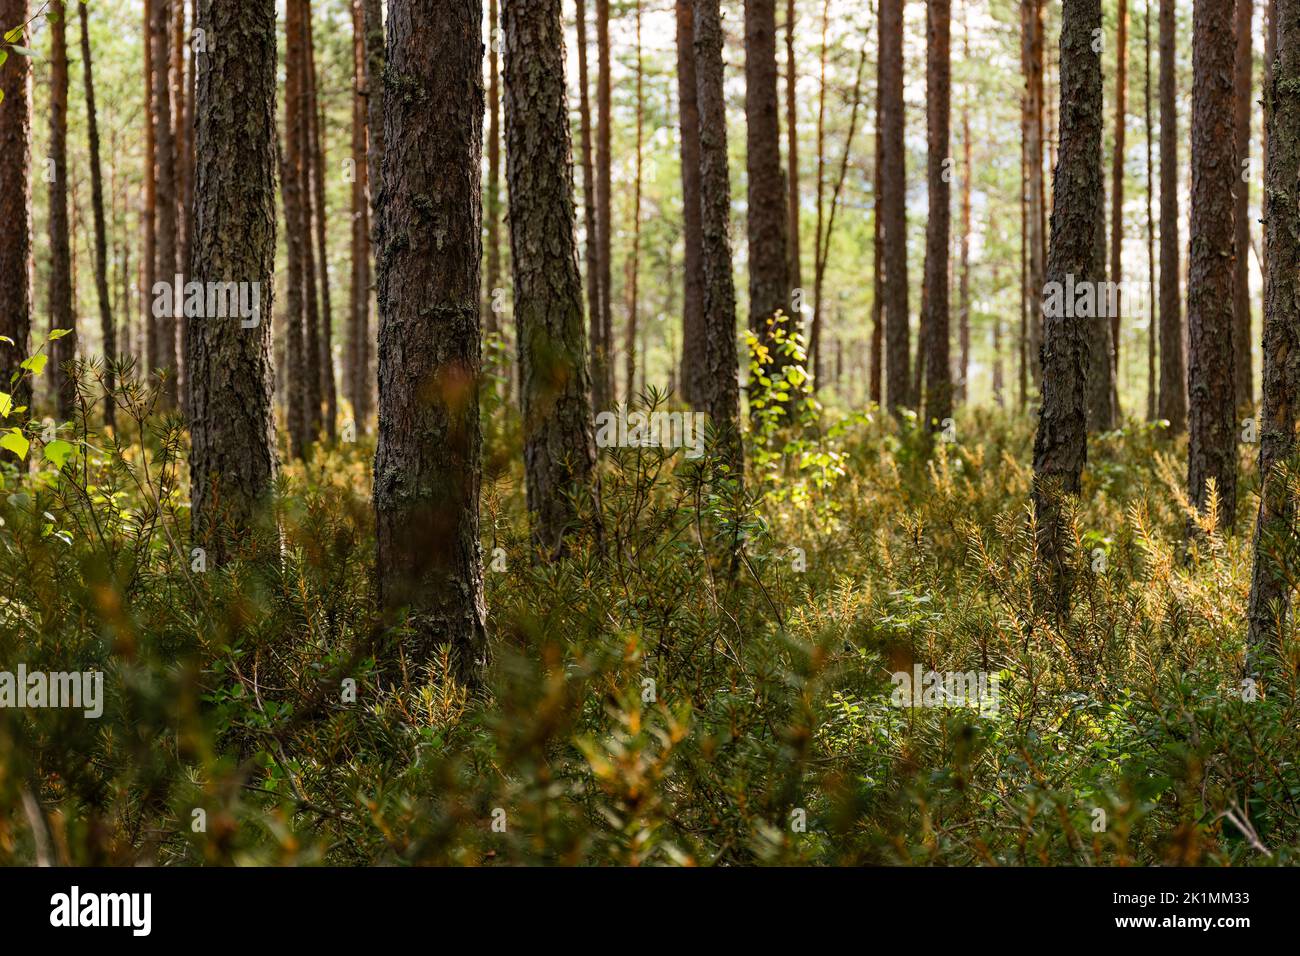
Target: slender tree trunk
559, 441
602, 359
1060, 445
1031, 12
893, 187
306, 224
767, 210
149, 258
491, 323
693, 342
15, 208
1152, 333
97, 204
1173, 377
316, 158
60, 284
722, 401
634, 257
877, 345
963, 292
300, 434
1270, 590
359, 300
1117, 186
792, 145
938, 87
165, 142
375, 139
591, 238
428, 461
1244, 388
232, 427
1212, 445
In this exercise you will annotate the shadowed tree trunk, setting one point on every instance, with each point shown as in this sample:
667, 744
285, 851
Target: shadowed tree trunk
693, 343
1060, 445
1117, 187
938, 84
559, 442
792, 145
97, 204
63, 350
305, 224
492, 207
290, 161
15, 202
1270, 590
149, 257
963, 290
359, 299
633, 268
1031, 22
590, 245
232, 428
877, 345
316, 157
428, 460
1243, 64
893, 198
602, 359
767, 211
375, 138
1173, 377
1212, 435
1152, 325
165, 143
722, 401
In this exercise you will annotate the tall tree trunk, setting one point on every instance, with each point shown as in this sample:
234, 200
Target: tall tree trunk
877, 344
1117, 186
792, 145
1060, 445
300, 434
602, 359
316, 157
232, 426
1101, 347
165, 143
722, 401
893, 224
306, 175
938, 90
97, 204
428, 461
492, 207
963, 289
1270, 590
1212, 444
60, 288
1173, 377
149, 258
693, 342
1152, 405
1031, 13
15, 207
559, 441
359, 300
1243, 63
591, 243
767, 211
634, 256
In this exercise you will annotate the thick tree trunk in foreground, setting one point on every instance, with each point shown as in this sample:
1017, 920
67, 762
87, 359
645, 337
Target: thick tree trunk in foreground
1270, 593
1173, 375
559, 441
1212, 435
938, 374
1060, 445
97, 204
232, 428
893, 198
694, 386
63, 350
427, 465
722, 401
1242, 344
15, 208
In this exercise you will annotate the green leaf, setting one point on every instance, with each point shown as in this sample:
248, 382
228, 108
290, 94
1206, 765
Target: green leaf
58, 334
15, 442
35, 363
58, 451
6, 404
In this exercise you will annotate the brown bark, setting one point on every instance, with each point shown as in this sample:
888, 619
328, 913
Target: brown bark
165, 142
492, 204
428, 461
1031, 21
1060, 445
1173, 377
893, 224
1152, 333
305, 171
938, 375
963, 288
358, 366
1117, 184
1211, 424
559, 441
693, 343
1270, 591
232, 426
63, 350
590, 245
300, 435
15, 208
1243, 63
633, 273
602, 359
97, 205
316, 158
792, 145
149, 257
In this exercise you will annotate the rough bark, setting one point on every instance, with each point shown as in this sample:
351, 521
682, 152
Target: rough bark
1117, 184
1060, 445
1031, 13
1152, 323
1212, 435
15, 209
316, 157
633, 268
149, 257
602, 359
963, 287
165, 143
428, 461
792, 145
693, 343
590, 244
1270, 592
938, 86
232, 427
1173, 376
63, 350
359, 299
559, 441
893, 223
300, 435
1243, 63
492, 207
306, 224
